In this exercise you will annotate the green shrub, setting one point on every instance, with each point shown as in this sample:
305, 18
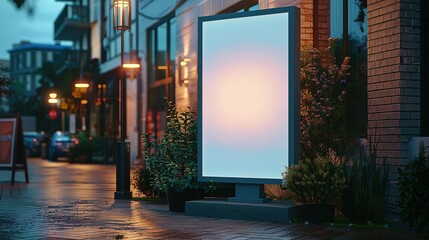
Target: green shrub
414, 193
172, 160
141, 180
315, 181
364, 199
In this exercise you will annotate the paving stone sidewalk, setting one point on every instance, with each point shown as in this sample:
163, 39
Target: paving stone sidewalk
75, 201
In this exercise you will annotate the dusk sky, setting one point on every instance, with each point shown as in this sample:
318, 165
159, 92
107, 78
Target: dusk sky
17, 25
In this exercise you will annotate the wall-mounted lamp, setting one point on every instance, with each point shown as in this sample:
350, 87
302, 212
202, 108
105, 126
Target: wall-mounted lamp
53, 95
185, 61
81, 84
131, 65
52, 100
83, 101
184, 70
83, 81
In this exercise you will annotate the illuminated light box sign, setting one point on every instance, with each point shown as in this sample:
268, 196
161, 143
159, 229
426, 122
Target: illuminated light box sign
248, 95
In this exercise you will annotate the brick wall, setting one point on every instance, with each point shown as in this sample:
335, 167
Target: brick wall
393, 81
307, 19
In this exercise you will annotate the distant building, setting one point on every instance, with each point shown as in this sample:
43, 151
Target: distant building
4, 64
73, 25
27, 58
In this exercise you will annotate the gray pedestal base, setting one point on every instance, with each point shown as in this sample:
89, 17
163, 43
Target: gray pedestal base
281, 212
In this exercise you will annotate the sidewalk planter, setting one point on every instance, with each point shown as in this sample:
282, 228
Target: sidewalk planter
316, 213
173, 159
318, 185
176, 200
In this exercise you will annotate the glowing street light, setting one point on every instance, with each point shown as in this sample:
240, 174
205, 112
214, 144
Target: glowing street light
122, 22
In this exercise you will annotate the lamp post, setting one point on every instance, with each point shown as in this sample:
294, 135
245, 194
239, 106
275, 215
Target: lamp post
122, 22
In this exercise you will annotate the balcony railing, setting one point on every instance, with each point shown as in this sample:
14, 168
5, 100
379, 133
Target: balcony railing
72, 22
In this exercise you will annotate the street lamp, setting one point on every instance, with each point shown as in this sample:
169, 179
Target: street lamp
122, 22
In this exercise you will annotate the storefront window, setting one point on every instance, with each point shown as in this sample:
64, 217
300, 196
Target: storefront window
161, 71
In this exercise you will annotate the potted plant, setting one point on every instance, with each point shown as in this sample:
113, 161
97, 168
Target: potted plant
317, 184
172, 159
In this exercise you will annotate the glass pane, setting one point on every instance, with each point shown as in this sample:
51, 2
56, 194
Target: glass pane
161, 114
172, 38
152, 51
161, 52
336, 19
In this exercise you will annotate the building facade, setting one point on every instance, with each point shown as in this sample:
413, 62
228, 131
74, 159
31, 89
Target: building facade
106, 47
389, 39
26, 60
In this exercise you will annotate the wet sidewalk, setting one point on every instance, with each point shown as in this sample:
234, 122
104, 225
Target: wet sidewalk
75, 201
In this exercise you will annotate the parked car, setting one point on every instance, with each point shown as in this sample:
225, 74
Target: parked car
60, 145
33, 142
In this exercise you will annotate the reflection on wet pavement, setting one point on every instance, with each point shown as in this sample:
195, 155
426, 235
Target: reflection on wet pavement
75, 201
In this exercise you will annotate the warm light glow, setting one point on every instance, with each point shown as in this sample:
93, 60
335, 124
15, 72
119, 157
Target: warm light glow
186, 81
83, 101
53, 100
52, 95
185, 61
82, 85
121, 3
131, 65
122, 14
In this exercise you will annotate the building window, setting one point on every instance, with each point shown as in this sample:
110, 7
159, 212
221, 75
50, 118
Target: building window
38, 59
28, 59
161, 71
20, 60
28, 83
50, 57
343, 19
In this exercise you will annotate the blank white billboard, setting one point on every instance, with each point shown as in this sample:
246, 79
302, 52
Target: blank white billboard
244, 100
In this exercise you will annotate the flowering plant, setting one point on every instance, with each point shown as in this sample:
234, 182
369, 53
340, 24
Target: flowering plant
315, 181
323, 89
